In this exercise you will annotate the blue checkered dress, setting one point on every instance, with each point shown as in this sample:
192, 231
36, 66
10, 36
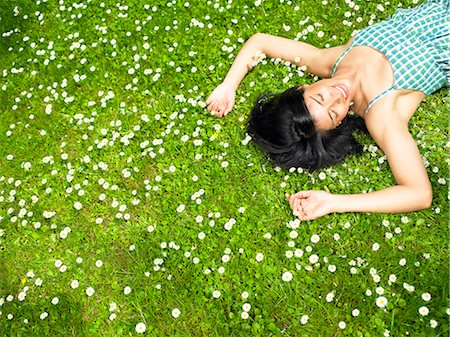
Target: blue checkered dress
416, 41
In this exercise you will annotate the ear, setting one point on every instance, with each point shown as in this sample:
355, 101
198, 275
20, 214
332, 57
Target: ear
303, 86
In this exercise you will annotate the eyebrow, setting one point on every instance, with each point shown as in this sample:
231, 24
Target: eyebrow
329, 114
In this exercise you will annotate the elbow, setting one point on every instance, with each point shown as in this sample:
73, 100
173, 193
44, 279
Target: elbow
257, 35
254, 37
257, 38
426, 198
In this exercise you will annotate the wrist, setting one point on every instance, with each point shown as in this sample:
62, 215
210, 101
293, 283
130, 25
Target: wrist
230, 84
336, 203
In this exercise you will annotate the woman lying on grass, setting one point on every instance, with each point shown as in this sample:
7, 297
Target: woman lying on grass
383, 73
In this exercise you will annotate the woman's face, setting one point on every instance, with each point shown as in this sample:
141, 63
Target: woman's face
328, 102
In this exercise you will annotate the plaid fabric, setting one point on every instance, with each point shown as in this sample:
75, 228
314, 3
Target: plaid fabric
416, 41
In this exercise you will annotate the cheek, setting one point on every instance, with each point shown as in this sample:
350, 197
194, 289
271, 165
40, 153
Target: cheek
320, 121
342, 114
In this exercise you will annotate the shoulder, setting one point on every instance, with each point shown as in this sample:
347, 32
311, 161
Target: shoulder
394, 110
327, 57
391, 116
382, 121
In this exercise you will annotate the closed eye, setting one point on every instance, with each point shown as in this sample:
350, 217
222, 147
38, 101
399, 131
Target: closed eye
334, 113
332, 120
314, 99
333, 123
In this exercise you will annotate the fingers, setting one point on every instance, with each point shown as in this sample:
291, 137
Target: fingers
222, 108
299, 205
209, 100
213, 107
290, 200
298, 195
309, 211
303, 215
303, 207
302, 194
228, 108
218, 108
211, 104
220, 103
295, 207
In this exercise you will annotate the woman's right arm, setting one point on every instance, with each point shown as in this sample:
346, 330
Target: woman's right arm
317, 61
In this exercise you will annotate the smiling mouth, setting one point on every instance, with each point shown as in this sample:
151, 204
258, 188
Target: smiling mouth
342, 90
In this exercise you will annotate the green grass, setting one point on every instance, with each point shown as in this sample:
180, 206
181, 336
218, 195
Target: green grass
149, 246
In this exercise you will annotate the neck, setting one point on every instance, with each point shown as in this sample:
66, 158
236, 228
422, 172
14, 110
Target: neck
353, 80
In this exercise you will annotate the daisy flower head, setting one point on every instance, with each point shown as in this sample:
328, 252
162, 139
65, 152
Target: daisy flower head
379, 290
331, 268
298, 253
141, 327
424, 311
246, 307
381, 302
21, 296
426, 297
355, 312
259, 257
176, 313
392, 278
313, 259
315, 238
287, 276
90, 291
330, 297
304, 319
244, 315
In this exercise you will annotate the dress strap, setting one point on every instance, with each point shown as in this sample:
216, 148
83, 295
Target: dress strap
340, 59
372, 102
444, 3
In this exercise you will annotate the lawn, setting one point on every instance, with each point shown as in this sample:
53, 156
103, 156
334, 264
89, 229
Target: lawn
126, 208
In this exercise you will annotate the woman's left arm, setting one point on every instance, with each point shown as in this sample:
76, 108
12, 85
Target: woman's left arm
412, 192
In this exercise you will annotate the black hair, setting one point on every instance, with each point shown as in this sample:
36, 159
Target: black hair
282, 125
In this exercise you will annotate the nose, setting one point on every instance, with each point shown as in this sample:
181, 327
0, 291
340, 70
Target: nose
334, 99
336, 96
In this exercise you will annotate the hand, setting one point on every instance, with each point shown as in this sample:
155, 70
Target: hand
310, 205
221, 100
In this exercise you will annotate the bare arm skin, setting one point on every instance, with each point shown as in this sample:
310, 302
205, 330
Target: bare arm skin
317, 61
413, 189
